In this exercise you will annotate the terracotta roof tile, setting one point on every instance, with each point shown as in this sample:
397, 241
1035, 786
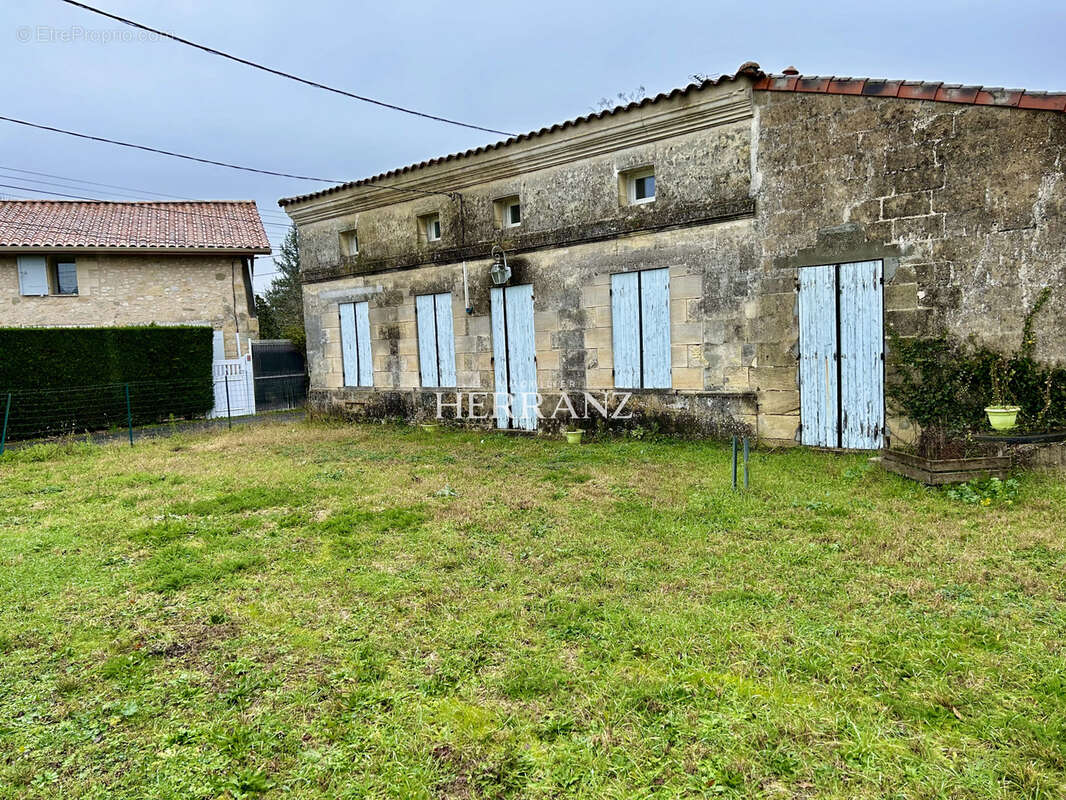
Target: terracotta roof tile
790, 81
180, 226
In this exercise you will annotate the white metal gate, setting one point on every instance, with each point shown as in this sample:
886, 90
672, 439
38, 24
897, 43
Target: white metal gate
841, 367
234, 387
514, 357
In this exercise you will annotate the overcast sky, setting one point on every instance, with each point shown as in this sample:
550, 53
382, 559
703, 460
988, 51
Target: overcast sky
504, 65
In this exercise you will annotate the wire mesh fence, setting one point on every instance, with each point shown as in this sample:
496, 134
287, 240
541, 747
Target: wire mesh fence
113, 408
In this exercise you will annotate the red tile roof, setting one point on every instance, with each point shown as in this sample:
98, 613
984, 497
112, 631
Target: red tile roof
790, 81
179, 226
913, 90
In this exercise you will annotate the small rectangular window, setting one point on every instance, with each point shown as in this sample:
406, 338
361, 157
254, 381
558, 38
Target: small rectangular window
429, 227
349, 243
64, 277
508, 212
640, 185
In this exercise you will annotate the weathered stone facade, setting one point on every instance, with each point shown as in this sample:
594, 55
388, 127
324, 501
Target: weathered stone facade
116, 289
962, 203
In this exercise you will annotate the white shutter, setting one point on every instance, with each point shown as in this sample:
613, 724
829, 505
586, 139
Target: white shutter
349, 347
33, 276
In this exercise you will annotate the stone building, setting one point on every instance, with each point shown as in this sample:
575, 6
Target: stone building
101, 264
732, 253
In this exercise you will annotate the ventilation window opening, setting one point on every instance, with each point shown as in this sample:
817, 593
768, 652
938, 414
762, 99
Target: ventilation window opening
436, 340
350, 243
640, 186
429, 227
640, 329
508, 212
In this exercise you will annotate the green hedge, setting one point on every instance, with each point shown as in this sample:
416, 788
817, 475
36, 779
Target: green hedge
72, 380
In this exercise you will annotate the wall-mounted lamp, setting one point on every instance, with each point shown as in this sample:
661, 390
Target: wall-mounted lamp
500, 272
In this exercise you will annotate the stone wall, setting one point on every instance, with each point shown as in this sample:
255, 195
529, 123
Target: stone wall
963, 204
127, 289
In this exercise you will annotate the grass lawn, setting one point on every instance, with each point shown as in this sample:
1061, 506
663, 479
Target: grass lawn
335, 611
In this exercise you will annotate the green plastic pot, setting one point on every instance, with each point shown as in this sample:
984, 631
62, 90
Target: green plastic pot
573, 437
1002, 418
430, 427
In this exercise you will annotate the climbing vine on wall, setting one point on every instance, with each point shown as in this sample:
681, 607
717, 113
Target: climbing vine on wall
944, 383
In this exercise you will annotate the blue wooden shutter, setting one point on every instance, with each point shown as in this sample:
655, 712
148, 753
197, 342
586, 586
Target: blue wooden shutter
625, 329
499, 356
33, 276
862, 337
445, 339
349, 349
655, 327
521, 355
818, 352
425, 318
362, 336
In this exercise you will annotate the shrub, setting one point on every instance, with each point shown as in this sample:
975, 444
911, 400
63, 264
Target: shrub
70, 380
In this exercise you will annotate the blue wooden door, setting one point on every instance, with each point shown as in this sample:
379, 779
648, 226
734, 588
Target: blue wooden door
640, 329
841, 367
819, 388
862, 337
356, 360
514, 357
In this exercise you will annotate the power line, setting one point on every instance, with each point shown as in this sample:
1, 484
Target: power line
70, 179
279, 73
200, 160
155, 207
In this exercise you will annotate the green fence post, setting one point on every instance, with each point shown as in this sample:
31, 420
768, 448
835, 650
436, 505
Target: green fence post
129, 414
7, 413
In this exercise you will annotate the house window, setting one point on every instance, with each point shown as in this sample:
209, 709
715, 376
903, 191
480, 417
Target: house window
640, 322
64, 276
356, 359
436, 339
349, 243
429, 226
639, 185
508, 212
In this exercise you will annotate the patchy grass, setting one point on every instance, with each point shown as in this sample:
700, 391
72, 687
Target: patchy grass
338, 612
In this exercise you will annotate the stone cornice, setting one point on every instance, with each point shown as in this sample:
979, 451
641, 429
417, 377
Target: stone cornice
566, 237
661, 121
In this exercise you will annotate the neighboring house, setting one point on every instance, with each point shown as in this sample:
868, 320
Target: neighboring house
94, 264
730, 252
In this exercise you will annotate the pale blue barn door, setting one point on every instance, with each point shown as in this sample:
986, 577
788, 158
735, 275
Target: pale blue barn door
862, 373
841, 365
819, 388
514, 356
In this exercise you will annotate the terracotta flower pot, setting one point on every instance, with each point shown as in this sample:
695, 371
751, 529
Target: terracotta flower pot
1002, 418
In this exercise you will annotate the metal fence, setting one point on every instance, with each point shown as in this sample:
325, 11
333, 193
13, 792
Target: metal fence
114, 410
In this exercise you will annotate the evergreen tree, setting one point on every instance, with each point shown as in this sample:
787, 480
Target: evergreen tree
283, 302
